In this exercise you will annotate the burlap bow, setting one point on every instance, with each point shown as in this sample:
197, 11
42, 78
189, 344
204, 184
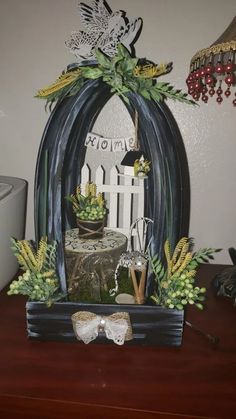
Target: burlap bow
87, 326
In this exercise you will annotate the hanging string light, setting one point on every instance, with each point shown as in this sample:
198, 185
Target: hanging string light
213, 69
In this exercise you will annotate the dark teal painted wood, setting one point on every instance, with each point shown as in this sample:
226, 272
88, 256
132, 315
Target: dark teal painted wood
151, 325
62, 154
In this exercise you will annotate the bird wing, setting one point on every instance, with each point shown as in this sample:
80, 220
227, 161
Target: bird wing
95, 17
129, 32
124, 33
81, 43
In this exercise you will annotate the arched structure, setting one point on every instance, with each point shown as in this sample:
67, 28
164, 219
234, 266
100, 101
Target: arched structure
62, 153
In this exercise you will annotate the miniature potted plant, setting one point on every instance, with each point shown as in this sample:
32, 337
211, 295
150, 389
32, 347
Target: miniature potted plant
90, 211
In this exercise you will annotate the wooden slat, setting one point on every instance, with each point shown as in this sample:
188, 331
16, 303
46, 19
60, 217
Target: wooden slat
140, 213
119, 188
113, 210
140, 205
99, 178
85, 177
127, 202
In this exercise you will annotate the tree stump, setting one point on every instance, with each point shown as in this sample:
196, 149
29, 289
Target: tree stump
91, 263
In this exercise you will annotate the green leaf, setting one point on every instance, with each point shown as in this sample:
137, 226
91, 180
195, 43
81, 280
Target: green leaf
117, 81
166, 88
92, 72
156, 95
158, 267
203, 255
107, 78
102, 59
145, 83
200, 306
155, 299
122, 51
169, 91
155, 262
69, 198
201, 298
125, 67
116, 59
125, 99
132, 85
145, 94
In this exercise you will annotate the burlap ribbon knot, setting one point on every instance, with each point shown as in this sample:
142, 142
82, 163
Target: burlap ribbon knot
87, 326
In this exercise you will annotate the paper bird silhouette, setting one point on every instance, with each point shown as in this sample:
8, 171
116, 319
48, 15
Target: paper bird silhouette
104, 30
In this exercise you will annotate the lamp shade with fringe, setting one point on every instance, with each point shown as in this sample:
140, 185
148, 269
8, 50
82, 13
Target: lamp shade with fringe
213, 69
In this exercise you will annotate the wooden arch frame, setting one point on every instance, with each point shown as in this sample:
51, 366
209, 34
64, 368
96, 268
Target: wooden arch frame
61, 156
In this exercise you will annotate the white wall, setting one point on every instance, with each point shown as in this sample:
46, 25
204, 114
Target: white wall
32, 54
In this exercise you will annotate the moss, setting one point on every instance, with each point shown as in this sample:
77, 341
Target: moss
83, 295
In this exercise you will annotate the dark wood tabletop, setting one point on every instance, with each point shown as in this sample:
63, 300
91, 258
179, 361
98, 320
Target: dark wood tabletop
105, 381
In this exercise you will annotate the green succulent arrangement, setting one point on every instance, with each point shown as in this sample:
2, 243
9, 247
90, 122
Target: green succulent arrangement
39, 280
89, 207
175, 282
122, 73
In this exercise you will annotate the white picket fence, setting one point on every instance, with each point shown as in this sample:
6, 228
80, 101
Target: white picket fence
124, 196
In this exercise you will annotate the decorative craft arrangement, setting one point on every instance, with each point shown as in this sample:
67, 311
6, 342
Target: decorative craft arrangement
144, 296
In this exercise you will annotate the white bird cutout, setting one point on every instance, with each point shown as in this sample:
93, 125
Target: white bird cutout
104, 30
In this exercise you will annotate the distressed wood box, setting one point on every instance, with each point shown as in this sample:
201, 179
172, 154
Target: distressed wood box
151, 325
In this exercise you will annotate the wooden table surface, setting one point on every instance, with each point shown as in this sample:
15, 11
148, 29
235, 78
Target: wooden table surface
72, 380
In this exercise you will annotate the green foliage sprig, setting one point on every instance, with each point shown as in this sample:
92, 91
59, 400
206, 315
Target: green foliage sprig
123, 73
175, 282
39, 280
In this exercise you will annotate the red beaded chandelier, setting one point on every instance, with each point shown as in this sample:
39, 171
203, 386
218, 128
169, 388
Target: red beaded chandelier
213, 69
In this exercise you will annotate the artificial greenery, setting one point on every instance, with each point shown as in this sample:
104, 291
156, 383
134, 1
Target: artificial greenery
91, 206
141, 167
83, 294
175, 282
123, 73
39, 280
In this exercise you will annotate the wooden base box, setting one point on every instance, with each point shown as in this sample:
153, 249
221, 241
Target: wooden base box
151, 325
